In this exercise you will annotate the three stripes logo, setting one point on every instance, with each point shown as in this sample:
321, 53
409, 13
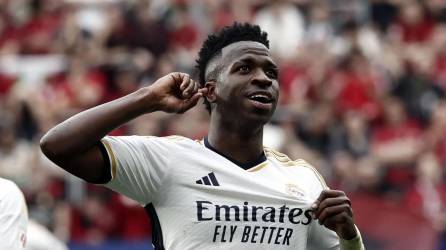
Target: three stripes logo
209, 180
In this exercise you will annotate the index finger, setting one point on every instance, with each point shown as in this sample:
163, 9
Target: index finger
328, 193
203, 91
185, 82
176, 76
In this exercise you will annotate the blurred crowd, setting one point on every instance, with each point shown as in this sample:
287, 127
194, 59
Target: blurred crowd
363, 95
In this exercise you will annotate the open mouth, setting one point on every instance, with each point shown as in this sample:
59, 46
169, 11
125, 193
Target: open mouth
261, 98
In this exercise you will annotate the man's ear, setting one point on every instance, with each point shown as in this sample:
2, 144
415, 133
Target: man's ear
211, 94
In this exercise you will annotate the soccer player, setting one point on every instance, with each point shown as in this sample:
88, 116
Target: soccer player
17, 231
13, 216
226, 191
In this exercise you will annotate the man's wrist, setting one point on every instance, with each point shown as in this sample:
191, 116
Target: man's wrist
348, 233
354, 243
146, 101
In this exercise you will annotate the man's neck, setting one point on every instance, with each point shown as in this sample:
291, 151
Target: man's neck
242, 143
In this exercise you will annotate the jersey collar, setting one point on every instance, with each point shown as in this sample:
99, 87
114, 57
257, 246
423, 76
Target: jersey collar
245, 166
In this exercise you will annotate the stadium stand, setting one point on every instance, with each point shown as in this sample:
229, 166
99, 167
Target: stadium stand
363, 99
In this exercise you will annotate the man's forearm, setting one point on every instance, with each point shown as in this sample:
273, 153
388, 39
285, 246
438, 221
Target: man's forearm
72, 143
82, 131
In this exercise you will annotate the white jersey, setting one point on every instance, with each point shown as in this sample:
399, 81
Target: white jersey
13, 216
200, 199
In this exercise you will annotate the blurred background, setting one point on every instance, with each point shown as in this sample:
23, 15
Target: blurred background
362, 99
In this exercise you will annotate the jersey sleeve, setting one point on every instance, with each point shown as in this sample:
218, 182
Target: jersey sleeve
320, 237
138, 165
13, 216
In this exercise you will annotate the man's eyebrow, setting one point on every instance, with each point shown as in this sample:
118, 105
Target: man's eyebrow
250, 59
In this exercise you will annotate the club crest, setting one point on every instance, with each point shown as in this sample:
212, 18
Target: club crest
294, 190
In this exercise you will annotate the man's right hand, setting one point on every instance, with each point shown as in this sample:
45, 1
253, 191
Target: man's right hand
175, 93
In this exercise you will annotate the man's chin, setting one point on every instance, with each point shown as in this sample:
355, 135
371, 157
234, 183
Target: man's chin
261, 116
259, 108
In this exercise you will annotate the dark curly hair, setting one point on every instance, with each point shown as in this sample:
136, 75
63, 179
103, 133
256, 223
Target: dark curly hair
214, 43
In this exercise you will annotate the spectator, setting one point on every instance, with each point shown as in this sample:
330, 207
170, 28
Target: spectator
284, 24
396, 143
414, 24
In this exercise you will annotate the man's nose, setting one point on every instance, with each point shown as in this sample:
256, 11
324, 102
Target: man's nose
261, 79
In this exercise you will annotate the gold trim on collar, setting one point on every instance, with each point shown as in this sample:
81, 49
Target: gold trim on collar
258, 167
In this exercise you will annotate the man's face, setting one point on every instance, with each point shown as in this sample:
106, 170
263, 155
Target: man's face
247, 85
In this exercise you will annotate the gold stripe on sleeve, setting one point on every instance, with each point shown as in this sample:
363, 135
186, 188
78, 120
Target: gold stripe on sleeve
112, 156
287, 162
303, 163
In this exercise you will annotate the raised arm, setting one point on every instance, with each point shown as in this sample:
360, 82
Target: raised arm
73, 144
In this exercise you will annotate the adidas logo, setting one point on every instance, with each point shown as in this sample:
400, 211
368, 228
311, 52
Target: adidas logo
209, 180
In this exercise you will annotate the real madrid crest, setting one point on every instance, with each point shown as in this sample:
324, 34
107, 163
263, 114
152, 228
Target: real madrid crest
294, 190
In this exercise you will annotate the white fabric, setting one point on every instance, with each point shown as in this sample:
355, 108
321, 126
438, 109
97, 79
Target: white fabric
13, 216
39, 238
164, 171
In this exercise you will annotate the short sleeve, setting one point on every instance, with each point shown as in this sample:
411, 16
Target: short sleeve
138, 165
322, 238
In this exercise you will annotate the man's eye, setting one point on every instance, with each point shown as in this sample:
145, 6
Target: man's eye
271, 74
243, 69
